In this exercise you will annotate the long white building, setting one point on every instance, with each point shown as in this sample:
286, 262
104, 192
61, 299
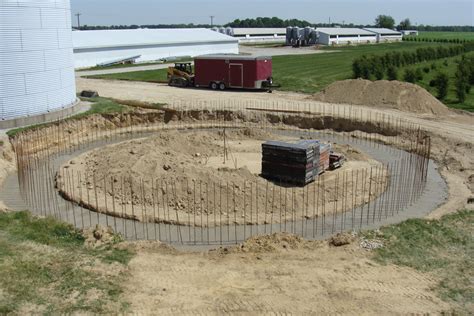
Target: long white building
386, 35
251, 35
96, 47
339, 36
36, 59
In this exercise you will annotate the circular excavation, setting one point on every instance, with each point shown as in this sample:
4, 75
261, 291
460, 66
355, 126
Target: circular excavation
194, 177
210, 178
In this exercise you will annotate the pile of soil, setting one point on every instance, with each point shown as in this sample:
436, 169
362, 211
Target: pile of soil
392, 94
98, 236
269, 243
172, 177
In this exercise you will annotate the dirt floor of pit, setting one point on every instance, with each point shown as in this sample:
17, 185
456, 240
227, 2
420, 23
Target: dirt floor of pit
177, 176
276, 275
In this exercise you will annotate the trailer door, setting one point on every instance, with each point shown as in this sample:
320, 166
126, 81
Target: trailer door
236, 75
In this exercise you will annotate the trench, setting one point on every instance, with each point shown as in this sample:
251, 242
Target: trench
382, 211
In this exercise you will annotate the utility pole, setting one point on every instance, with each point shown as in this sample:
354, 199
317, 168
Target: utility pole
78, 20
212, 20
329, 20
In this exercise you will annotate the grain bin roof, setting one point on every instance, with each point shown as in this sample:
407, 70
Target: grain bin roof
146, 37
343, 31
383, 31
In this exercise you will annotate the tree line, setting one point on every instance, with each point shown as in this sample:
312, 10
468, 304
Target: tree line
384, 21
377, 67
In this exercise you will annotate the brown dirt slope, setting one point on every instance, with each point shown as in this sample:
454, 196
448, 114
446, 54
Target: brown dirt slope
392, 94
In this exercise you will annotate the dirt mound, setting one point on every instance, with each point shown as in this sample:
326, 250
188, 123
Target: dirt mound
98, 236
180, 177
392, 94
269, 243
341, 239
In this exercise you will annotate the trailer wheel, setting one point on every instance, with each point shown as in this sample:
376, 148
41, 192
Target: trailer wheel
222, 86
214, 86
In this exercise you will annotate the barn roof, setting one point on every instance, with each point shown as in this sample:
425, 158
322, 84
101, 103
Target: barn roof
146, 37
258, 31
343, 31
382, 31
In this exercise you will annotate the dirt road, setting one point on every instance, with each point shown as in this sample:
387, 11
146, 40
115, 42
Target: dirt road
455, 125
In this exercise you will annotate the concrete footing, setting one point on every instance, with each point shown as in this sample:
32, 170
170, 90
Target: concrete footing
77, 107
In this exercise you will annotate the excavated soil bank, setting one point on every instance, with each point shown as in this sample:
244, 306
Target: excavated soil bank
392, 94
180, 177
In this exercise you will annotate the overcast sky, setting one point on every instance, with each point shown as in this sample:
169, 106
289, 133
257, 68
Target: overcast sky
433, 12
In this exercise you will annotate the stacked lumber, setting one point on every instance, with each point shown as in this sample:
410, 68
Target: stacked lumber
324, 154
297, 163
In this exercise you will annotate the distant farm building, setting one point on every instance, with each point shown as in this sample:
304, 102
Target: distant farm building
254, 35
144, 45
385, 35
409, 32
338, 36
249, 35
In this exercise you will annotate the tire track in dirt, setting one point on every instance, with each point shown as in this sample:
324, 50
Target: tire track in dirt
314, 279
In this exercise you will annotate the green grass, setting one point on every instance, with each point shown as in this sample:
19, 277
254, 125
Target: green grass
311, 73
451, 99
447, 35
442, 247
47, 269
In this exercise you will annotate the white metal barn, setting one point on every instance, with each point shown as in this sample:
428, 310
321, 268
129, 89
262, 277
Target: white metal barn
250, 35
36, 58
96, 47
336, 36
385, 35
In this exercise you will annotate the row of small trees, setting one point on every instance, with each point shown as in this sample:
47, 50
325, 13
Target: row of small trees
376, 66
463, 78
434, 40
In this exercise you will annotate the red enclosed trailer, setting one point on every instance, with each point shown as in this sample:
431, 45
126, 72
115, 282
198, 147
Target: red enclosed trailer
233, 71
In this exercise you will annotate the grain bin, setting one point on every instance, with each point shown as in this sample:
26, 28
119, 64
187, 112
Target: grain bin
36, 58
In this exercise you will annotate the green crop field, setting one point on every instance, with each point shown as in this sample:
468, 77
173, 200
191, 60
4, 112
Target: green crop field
311, 73
448, 35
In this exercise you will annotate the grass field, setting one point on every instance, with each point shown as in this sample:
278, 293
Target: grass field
46, 269
448, 35
311, 73
442, 247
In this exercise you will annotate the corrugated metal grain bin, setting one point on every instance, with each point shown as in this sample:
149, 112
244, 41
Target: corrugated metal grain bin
233, 71
36, 58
